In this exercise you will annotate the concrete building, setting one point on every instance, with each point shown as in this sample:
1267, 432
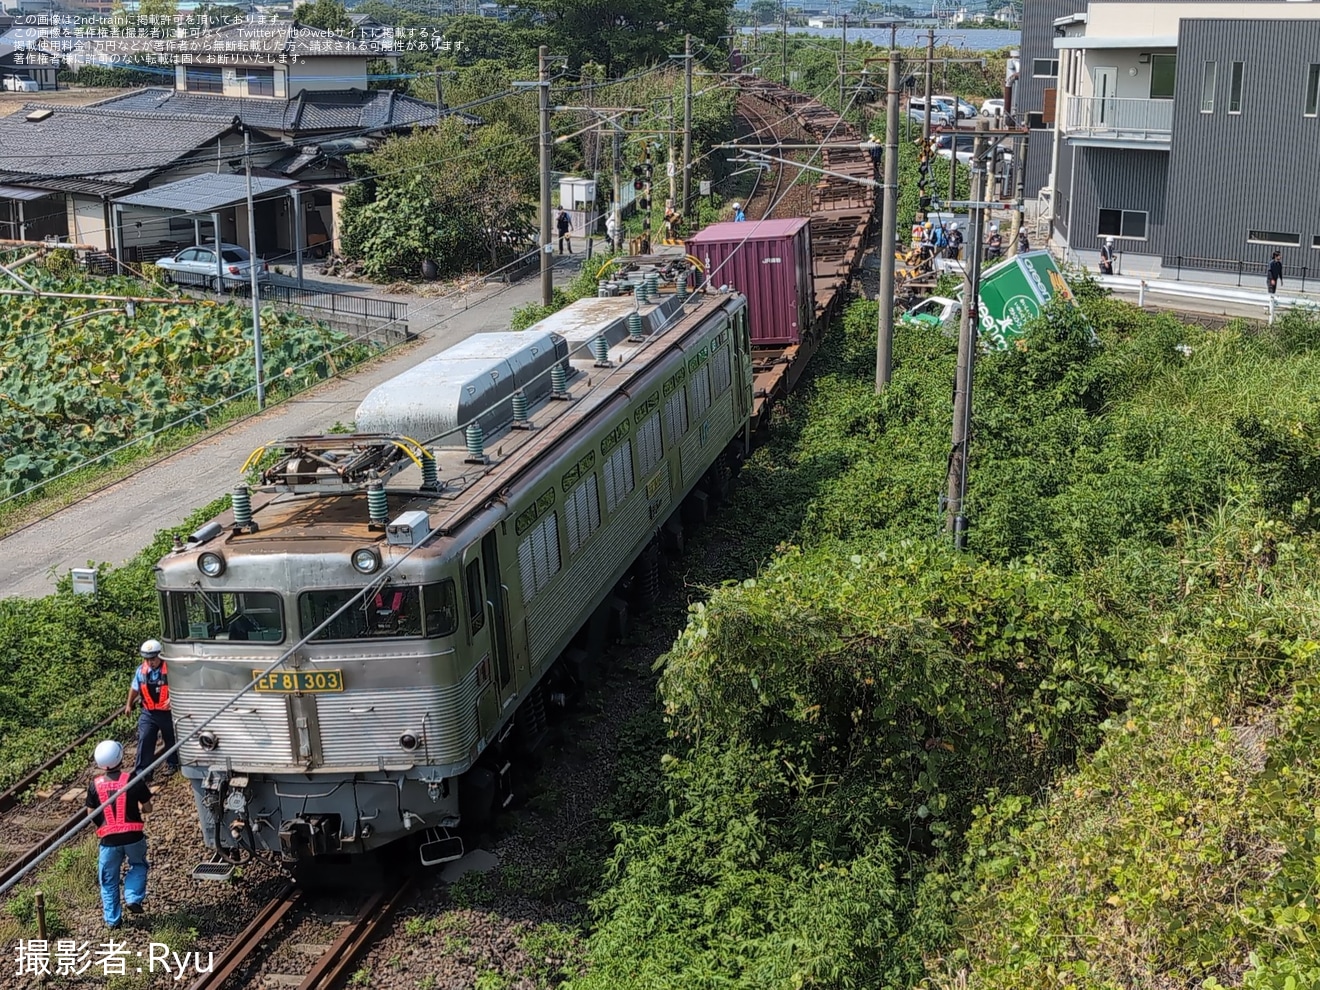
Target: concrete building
1164, 115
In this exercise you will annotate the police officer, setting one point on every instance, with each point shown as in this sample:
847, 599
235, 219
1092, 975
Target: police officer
151, 683
119, 828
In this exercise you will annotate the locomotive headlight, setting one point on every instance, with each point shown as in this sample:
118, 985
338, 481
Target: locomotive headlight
211, 564
208, 741
408, 741
365, 560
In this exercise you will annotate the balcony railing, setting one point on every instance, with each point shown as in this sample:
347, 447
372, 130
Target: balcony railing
1115, 117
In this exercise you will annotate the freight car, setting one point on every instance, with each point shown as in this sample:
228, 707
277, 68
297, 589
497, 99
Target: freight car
426, 595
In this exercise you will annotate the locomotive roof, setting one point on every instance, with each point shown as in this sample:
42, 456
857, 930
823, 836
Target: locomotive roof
288, 521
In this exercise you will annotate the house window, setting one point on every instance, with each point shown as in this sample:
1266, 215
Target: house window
582, 513
1313, 90
1273, 237
1124, 223
1235, 89
1044, 68
538, 556
618, 474
1315, 242
1208, 87
1163, 68
260, 82
204, 81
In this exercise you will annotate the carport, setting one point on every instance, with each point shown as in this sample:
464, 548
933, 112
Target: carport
204, 196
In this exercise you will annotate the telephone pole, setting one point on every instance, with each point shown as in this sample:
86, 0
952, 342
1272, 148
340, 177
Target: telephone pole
1019, 188
547, 242
968, 341
930, 67
687, 127
252, 271
888, 230
616, 161
439, 93
783, 40
670, 166
843, 66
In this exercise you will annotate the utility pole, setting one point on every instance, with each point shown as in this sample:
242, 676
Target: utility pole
439, 93
687, 128
783, 42
930, 67
547, 242
1019, 189
888, 231
616, 160
670, 165
843, 66
252, 271
968, 341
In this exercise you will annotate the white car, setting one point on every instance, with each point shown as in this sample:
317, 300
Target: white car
963, 109
917, 111
20, 84
198, 266
992, 108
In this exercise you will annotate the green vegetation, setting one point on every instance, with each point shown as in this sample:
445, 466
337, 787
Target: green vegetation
1078, 755
69, 657
79, 378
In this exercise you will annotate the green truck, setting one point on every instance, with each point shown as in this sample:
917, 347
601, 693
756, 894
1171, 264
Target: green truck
1012, 293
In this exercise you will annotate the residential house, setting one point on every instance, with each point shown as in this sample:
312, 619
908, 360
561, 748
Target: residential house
28, 61
1165, 112
1037, 86
301, 92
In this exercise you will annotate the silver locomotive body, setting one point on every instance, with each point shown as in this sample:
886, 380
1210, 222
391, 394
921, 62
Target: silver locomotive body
402, 606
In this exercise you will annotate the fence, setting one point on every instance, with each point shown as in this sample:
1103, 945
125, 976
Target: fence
1227, 266
1120, 117
338, 303
1201, 291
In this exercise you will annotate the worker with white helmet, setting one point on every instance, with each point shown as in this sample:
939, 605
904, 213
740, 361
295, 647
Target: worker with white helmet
151, 684
954, 251
119, 828
1107, 257
994, 245
738, 215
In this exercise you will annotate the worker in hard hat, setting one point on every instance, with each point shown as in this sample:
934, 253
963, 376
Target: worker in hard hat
738, 215
151, 684
119, 827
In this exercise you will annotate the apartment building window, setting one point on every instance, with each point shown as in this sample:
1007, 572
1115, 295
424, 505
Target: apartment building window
1274, 237
1124, 223
260, 82
1163, 69
1313, 90
1235, 89
1044, 68
204, 81
1315, 243
1208, 87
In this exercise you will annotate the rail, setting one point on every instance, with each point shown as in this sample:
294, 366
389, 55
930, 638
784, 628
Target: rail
1231, 266
1120, 117
1182, 290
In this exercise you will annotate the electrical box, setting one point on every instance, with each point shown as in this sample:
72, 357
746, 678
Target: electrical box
577, 194
409, 529
84, 580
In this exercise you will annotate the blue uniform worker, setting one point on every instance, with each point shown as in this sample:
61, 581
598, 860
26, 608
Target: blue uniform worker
151, 683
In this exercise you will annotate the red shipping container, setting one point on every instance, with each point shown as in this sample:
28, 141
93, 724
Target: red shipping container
768, 261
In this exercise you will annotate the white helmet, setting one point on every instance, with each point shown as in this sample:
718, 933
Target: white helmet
1109, 241
994, 228
953, 226
109, 754
737, 206
150, 648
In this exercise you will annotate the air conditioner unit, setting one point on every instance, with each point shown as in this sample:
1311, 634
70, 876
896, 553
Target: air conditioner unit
409, 529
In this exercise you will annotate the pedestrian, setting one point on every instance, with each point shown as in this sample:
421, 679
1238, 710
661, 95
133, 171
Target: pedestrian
994, 246
119, 827
939, 239
151, 683
1024, 243
1107, 257
738, 215
563, 224
1275, 274
955, 242
612, 232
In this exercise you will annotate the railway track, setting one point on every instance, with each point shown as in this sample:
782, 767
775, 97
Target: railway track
765, 193
290, 929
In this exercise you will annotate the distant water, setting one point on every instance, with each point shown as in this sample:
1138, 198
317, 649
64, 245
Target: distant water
977, 39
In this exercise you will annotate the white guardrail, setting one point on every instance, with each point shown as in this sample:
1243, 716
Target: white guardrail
1200, 291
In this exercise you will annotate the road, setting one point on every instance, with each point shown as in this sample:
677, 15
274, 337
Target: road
113, 524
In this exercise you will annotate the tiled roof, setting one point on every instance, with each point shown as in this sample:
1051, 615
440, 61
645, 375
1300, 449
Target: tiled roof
287, 38
95, 150
310, 110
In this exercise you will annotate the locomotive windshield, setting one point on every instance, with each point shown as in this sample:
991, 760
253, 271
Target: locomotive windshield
222, 615
393, 610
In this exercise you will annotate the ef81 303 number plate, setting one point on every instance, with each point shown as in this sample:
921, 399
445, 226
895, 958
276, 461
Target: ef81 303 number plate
295, 681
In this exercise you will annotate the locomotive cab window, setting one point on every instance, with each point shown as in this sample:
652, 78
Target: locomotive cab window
476, 600
392, 610
222, 615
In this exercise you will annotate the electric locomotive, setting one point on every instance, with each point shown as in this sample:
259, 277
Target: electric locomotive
439, 565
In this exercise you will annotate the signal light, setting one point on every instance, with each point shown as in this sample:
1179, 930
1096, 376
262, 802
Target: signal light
923, 203
638, 185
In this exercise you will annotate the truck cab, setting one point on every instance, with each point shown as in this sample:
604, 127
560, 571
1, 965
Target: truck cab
937, 311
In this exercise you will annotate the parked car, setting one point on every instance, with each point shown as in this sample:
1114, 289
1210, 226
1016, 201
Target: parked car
917, 112
992, 108
964, 109
947, 145
197, 266
20, 84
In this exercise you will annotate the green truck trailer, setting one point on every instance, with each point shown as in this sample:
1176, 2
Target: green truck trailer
1013, 292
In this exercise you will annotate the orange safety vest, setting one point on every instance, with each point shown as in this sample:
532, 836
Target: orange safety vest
160, 701
115, 813
395, 604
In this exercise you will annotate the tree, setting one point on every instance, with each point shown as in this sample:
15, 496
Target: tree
157, 8
765, 11
328, 15
624, 35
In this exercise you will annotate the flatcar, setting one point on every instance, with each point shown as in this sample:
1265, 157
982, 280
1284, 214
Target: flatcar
425, 578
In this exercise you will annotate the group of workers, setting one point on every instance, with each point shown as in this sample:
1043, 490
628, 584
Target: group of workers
117, 800
938, 240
